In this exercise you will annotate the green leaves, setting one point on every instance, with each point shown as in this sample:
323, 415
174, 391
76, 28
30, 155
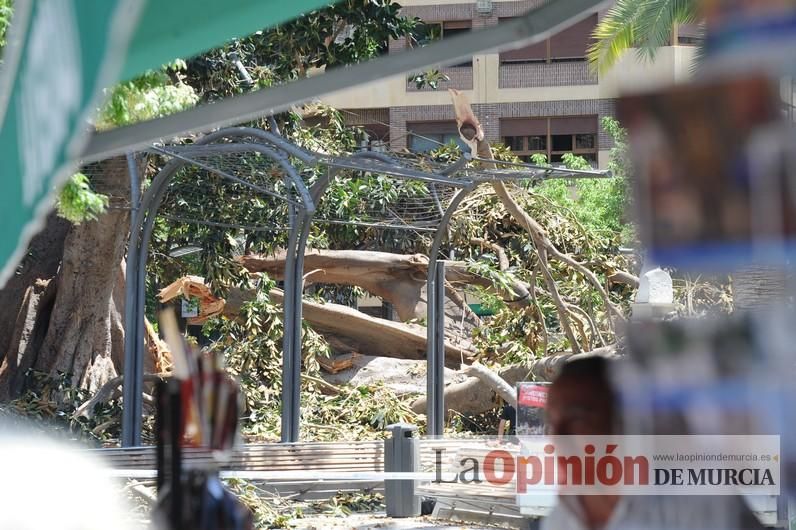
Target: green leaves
152, 95
346, 32
78, 202
5, 20
643, 24
430, 78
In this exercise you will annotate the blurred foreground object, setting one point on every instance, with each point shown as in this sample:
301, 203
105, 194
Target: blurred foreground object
706, 196
198, 407
748, 36
46, 484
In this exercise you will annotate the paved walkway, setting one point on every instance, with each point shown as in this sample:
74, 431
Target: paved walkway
380, 522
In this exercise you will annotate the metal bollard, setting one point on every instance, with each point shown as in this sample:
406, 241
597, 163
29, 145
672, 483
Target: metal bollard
401, 454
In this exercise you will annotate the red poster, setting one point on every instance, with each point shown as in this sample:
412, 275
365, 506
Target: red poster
532, 395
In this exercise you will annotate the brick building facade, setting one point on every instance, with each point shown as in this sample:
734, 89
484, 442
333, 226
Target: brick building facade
542, 98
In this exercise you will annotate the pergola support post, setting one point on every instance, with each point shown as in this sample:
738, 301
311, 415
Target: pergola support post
289, 408
133, 378
435, 322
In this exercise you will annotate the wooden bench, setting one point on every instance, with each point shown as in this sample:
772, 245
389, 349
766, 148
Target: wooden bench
306, 471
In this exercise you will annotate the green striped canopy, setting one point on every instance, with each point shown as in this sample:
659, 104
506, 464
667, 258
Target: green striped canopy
60, 56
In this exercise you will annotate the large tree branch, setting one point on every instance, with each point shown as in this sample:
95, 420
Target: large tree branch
472, 133
106, 392
356, 331
399, 279
474, 396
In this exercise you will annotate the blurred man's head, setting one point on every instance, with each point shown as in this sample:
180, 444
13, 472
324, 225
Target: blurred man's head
581, 400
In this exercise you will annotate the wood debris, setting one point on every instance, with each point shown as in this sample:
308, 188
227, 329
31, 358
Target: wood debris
193, 287
337, 364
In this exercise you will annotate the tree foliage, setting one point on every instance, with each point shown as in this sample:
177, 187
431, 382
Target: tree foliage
154, 94
643, 24
601, 205
6, 10
344, 33
78, 203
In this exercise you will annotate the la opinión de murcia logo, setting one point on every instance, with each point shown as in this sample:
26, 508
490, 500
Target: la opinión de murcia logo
594, 468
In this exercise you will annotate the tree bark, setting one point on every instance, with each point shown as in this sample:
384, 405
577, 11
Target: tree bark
396, 278
349, 330
473, 396
73, 323
80, 333
27, 337
39, 264
399, 279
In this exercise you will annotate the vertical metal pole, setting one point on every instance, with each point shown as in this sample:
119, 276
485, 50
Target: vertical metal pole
298, 295
433, 425
133, 378
293, 308
146, 222
134, 300
435, 323
288, 433
438, 348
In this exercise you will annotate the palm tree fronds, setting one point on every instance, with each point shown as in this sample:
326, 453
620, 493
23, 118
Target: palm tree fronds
614, 34
656, 22
643, 24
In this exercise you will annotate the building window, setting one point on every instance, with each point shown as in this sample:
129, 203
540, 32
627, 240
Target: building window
570, 44
551, 137
585, 141
423, 137
428, 32
562, 142
689, 34
537, 143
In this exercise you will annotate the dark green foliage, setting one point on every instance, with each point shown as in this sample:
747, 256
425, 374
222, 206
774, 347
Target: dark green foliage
347, 32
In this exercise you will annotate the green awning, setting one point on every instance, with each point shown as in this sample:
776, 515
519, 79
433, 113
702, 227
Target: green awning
60, 56
176, 29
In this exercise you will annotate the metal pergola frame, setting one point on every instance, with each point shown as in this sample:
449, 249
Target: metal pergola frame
302, 203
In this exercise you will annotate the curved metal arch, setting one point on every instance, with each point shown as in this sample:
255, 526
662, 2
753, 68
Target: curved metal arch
435, 289
301, 212
274, 139
273, 153
142, 224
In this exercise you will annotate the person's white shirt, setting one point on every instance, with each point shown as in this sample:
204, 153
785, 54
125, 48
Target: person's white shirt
664, 512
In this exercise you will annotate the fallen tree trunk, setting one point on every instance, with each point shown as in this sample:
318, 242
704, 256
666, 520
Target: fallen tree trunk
400, 279
473, 396
349, 330
494, 381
